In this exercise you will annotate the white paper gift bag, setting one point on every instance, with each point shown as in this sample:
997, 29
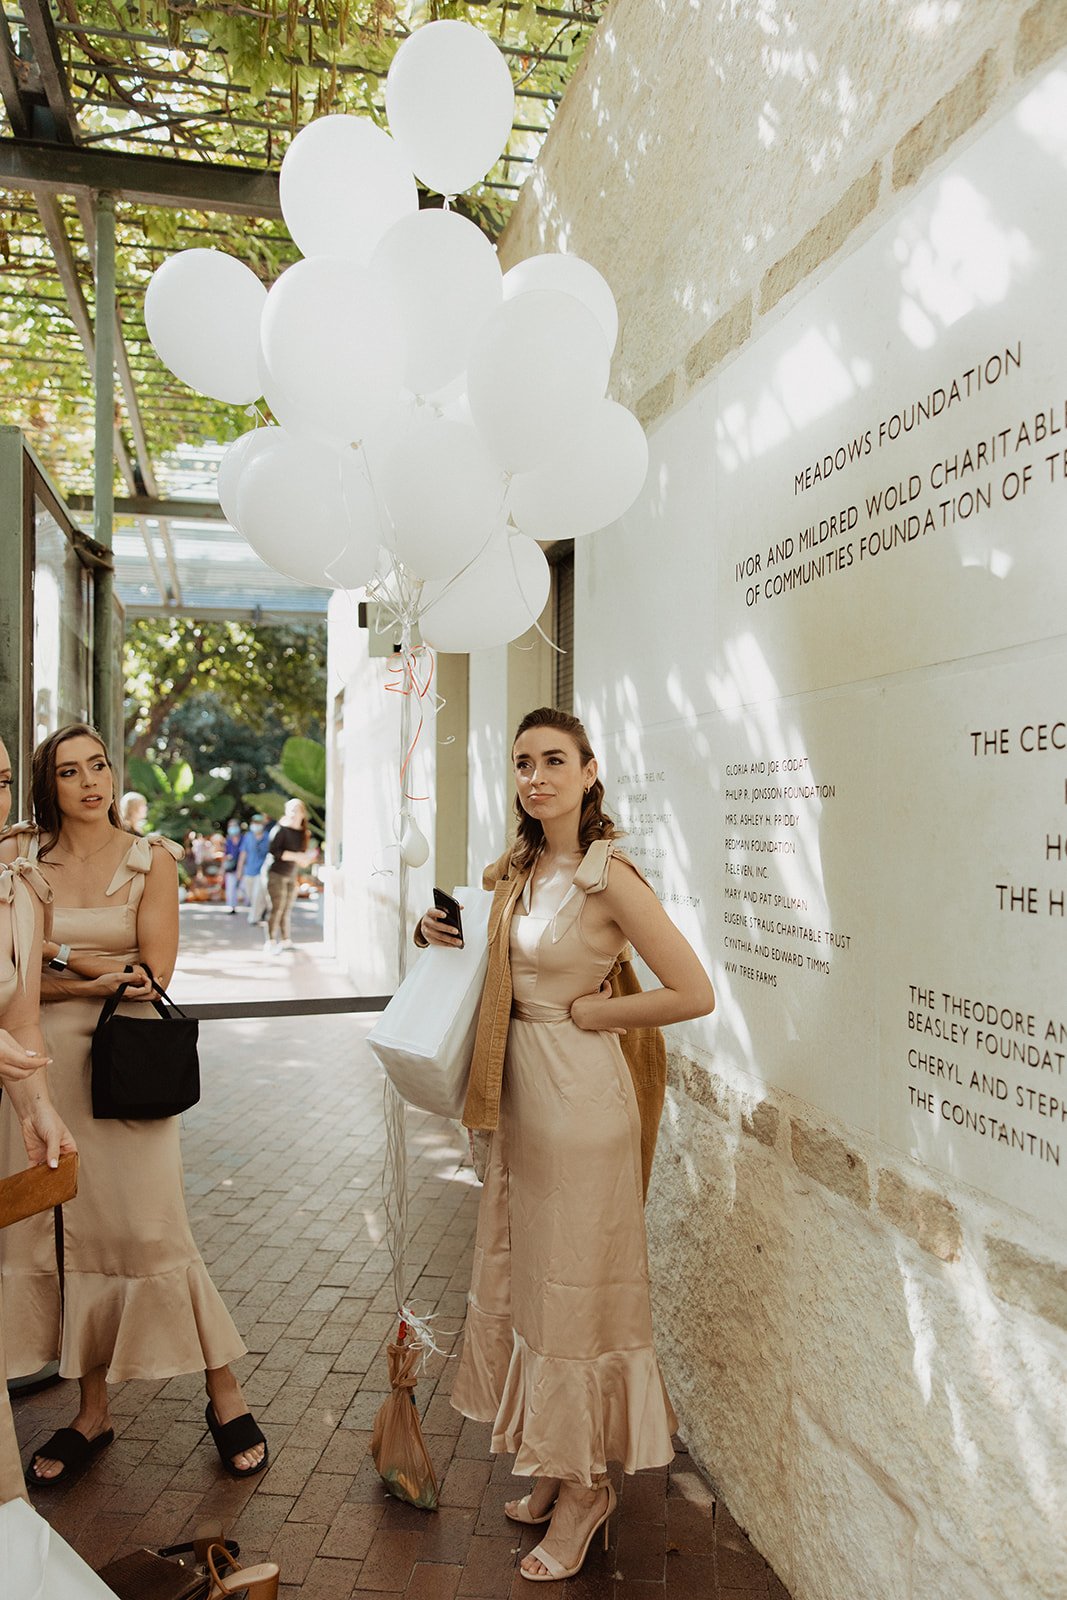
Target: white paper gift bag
425, 1036
36, 1564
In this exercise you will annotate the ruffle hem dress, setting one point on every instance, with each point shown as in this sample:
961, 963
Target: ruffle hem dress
18, 883
136, 1295
558, 1352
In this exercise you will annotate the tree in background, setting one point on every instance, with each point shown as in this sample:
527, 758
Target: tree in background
261, 675
300, 773
211, 706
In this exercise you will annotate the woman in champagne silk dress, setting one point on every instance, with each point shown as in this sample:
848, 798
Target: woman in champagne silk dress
136, 1300
558, 1351
23, 1068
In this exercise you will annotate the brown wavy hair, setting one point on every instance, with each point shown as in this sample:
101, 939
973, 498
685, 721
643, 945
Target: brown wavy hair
46, 811
594, 822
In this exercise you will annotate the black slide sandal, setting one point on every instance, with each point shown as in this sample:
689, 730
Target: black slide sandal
231, 1438
73, 1450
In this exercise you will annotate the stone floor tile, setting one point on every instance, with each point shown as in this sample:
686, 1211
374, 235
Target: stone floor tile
489, 1569
690, 1527
261, 1520
691, 1577
329, 1580
491, 1517
345, 1452
364, 1408
323, 1496
644, 1498
291, 1468
352, 1531
641, 1552
441, 1418
391, 1560
104, 1537
449, 1534
473, 1439
165, 1522
686, 1483
741, 1569
295, 1547
433, 1581
727, 1532
465, 1483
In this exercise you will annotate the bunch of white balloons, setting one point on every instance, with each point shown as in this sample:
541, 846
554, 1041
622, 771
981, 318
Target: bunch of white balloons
435, 417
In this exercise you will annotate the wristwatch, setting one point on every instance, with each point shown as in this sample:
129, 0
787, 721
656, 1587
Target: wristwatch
61, 960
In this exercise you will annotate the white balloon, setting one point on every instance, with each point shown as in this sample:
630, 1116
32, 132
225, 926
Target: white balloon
596, 478
202, 311
444, 272
234, 460
571, 275
442, 493
291, 507
343, 184
499, 597
279, 404
450, 103
333, 346
537, 368
414, 849
354, 567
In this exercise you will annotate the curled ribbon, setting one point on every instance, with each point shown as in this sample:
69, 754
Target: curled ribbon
407, 668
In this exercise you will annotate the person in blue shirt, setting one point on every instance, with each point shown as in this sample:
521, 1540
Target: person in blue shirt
251, 856
232, 848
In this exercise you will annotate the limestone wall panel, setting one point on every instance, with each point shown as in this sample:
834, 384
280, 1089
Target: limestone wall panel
720, 1248
698, 145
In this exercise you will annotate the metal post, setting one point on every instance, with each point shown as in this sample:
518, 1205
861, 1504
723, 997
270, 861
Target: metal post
104, 470
395, 1168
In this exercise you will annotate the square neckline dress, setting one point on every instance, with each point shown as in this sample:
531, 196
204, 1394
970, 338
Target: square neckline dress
136, 1298
558, 1346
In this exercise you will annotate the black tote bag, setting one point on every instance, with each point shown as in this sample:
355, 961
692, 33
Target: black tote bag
143, 1069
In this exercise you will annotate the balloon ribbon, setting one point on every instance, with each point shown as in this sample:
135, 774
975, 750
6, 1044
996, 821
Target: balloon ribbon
411, 683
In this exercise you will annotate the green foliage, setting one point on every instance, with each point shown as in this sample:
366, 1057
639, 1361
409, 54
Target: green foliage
229, 85
267, 679
179, 800
269, 801
302, 773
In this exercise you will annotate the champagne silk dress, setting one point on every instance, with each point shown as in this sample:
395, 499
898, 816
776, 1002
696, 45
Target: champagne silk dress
136, 1296
18, 883
557, 1350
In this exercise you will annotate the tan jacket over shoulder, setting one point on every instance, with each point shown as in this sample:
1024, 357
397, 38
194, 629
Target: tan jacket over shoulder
644, 1049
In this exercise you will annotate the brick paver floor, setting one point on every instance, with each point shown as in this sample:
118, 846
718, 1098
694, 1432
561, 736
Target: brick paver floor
283, 1168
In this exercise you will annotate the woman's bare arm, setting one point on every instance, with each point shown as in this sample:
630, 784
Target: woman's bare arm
686, 988
157, 918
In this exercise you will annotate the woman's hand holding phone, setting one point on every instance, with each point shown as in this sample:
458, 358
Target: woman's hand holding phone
443, 925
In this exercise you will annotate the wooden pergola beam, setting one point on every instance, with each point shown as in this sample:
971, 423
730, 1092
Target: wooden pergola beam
154, 506
40, 168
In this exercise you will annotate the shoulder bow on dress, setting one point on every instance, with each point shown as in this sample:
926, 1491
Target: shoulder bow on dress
138, 859
19, 879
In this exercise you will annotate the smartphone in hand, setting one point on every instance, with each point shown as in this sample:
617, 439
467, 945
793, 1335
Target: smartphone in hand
450, 906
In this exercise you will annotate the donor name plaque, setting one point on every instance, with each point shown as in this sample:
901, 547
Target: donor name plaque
851, 787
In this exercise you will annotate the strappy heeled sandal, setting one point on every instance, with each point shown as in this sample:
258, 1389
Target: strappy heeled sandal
256, 1583
522, 1512
555, 1570
234, 1438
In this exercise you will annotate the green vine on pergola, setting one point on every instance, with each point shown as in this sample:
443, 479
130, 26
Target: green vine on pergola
228, 83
